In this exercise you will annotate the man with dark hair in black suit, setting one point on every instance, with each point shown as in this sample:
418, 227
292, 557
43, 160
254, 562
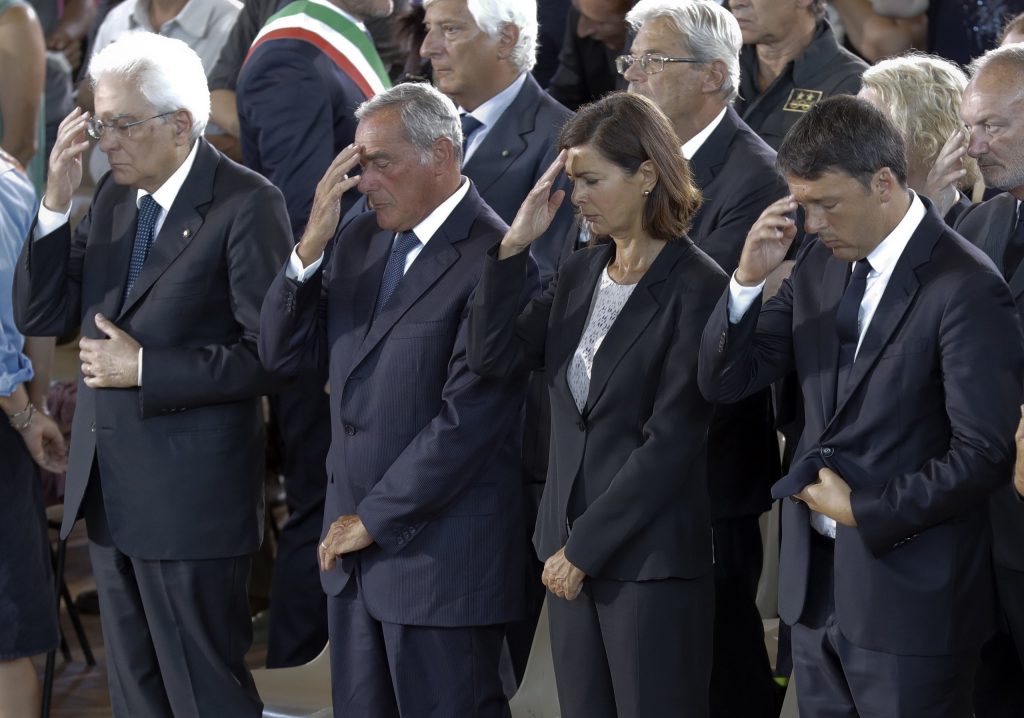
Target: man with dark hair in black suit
910, 361
993, 111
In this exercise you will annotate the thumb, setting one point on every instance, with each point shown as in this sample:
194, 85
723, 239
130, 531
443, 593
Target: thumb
106, 326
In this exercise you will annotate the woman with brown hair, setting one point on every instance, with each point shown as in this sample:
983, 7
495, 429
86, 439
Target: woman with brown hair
624, 525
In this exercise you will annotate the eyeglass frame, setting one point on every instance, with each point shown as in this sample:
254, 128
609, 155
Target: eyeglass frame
662, 59
126, 128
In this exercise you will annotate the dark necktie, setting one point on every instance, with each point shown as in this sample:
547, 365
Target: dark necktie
470, 125
149, 210
847, 324
395, 270
1014, 249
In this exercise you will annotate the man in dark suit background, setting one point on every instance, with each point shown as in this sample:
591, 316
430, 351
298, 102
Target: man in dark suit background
685, 57
911, 379
421, 555
511, 129
164, 276
992, 110
309, 68
595, 32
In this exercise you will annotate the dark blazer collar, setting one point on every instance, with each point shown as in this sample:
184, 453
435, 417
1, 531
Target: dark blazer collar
641, 307
184, 219
896, 300
504, 141
712, 154
439, 254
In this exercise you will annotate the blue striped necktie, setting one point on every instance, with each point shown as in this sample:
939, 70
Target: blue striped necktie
395, 269
149, 210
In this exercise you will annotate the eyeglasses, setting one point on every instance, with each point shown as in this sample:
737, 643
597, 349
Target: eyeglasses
651, 64
96, 128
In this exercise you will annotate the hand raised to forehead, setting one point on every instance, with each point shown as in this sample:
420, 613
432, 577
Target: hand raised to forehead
326, 211
537, 211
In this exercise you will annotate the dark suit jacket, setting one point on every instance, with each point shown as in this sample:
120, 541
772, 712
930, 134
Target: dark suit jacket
510, 160
634, 459
990, 226
923, 434
422, 449
586, 68
735, 171
296, 111
181, 458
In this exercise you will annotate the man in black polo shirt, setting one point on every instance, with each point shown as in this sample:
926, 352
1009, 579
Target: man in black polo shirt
790, 61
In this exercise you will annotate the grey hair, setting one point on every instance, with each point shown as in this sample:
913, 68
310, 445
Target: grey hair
167, 72
491, 15
709, 31
427, 115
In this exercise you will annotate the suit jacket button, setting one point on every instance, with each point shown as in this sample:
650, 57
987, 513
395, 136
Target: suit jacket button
827, 451
350, 430
92, 427
581, 425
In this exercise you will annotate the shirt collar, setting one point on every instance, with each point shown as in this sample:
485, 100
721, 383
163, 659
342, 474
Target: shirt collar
194, 18
334, 8
693, 144
883, 258
165, 193
489, 112
433, 221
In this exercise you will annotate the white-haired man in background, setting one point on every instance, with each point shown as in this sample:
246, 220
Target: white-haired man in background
164, 277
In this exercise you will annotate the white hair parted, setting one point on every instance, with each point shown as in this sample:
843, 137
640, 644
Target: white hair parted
167, 72
426, 113
491, 15
708, 30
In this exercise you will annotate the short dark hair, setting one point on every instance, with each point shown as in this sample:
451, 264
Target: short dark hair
843, 134
628, 130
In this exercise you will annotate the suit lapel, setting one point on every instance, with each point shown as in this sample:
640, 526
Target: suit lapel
636, 314
122, 239
367, 283
505, 141
833, 284
577, 308
896, 300
712, 153
184, 219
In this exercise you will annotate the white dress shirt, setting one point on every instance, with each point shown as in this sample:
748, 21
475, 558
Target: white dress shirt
490, 112
693, 144
423, 231
48, 221
883, 259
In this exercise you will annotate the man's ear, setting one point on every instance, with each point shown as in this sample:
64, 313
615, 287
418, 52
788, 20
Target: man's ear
182, 120
714, 77
885, 184
442, 153
508, 36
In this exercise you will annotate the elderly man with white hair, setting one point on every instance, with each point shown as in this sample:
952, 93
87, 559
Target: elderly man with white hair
164, 278
685, 58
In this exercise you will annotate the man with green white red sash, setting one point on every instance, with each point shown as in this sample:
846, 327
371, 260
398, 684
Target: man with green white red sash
309, 68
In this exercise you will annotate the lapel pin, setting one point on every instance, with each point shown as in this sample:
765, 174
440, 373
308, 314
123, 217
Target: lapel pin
186, 233
505, 153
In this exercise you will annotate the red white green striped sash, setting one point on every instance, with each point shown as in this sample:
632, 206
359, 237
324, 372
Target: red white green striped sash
335, 35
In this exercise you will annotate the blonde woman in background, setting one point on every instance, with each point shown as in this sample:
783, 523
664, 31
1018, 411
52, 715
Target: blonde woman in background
921, 95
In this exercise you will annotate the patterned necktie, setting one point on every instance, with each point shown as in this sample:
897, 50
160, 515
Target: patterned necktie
395, 269
470, 125
149, 210
847, 319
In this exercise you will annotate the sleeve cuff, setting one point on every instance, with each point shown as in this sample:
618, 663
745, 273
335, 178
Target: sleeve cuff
295, 269
741, 298
48, 221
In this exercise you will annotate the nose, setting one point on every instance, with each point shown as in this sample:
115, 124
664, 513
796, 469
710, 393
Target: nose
108, 140
366, 181
977, 145
814, 221
578, 194
429, 46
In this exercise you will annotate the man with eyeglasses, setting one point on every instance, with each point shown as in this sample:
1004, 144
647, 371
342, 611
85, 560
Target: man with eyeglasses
165, 277
790, 61
685, 57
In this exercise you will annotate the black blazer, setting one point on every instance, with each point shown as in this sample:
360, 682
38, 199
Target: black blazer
735, 171
182, 457
990, 225
635, 456
422, 449
923, 434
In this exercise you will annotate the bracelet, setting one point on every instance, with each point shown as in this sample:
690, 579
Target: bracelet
31, 409
15, 415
